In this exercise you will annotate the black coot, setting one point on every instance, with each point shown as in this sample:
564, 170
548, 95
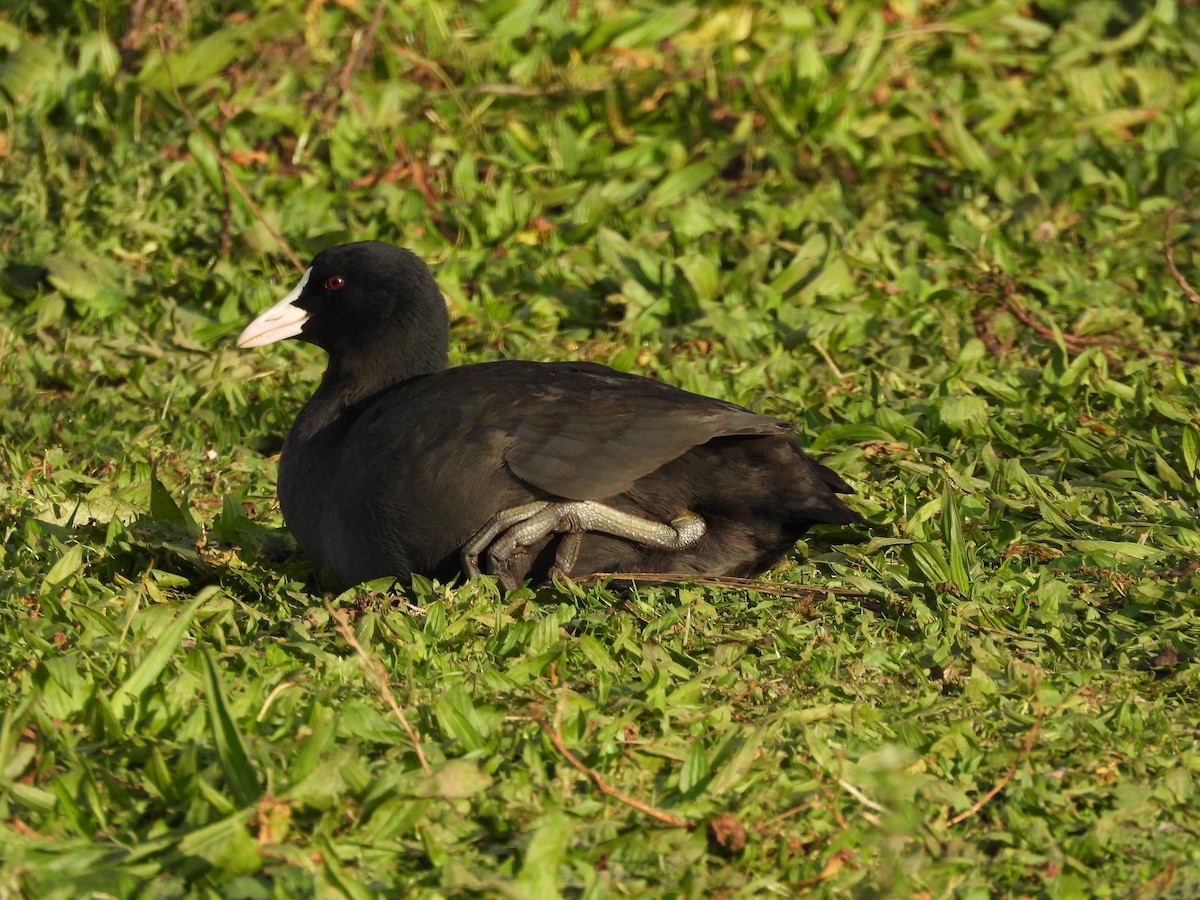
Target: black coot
399, 465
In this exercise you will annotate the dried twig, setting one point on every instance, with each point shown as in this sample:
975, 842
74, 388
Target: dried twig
761, 827
1008, 776
375, 667
231, 178
225, 240
847, 383
860, 796
833, 808
1157, 886
982, 321
417, 175
363, 42
796, 592
603, 786
1169, 249
832, 867
133, 34
1075, 343
550, 90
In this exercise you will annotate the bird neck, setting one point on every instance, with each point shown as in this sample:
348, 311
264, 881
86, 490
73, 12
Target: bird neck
352, 380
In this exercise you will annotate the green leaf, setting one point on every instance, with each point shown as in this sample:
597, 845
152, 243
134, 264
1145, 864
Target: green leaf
930, 559
200, 60
321, 725
952, 534
658, 26
695, 768
734, 769
1191, 448
346, 884
162, 648
702, 275
681, 184
963, 412
543, 857
1126, 549
518, 20
231, 751
1166, 473
598, 655
31, 68
91, 282
455, 780
163, 507
33, 797
225, 845
457, 714
67, 566
205, 159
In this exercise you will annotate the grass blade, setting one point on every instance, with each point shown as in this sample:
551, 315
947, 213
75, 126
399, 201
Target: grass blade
235, 762
952, 534
152, 664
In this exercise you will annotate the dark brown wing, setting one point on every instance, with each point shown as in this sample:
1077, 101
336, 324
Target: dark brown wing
589, 432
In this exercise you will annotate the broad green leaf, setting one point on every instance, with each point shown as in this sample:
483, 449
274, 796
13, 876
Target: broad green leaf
1166, 473
545, 854
67, 566
598, 655
33, 797
734, 769
681, 184
807, 261
28, 69
1126, 549
657, 26
163, 507
930, 559
455, 780
345, 883
456, 712
1191, 448
702, 275
226, 845
518, 20
962, 412
321, 725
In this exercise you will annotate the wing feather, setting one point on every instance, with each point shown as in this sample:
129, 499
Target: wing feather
590, 432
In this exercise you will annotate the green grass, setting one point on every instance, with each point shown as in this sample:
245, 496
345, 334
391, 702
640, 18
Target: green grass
899, 229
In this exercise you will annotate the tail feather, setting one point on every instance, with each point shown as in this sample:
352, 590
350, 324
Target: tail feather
821, 505
832, 479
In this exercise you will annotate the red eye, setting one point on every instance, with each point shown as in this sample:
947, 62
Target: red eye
335, 282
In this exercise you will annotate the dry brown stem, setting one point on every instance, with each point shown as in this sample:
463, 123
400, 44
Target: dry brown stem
375, 667
555, 738
796, 592
358, 55
1026, 748
1005, 289
227, 173
1169, 249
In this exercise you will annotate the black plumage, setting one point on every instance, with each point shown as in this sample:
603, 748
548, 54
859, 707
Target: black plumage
397, 462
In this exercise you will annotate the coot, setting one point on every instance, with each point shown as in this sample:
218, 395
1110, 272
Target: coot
398, 465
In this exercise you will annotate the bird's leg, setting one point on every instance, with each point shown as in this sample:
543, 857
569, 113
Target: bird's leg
511, 543
511, 531
566, 555
501, 521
